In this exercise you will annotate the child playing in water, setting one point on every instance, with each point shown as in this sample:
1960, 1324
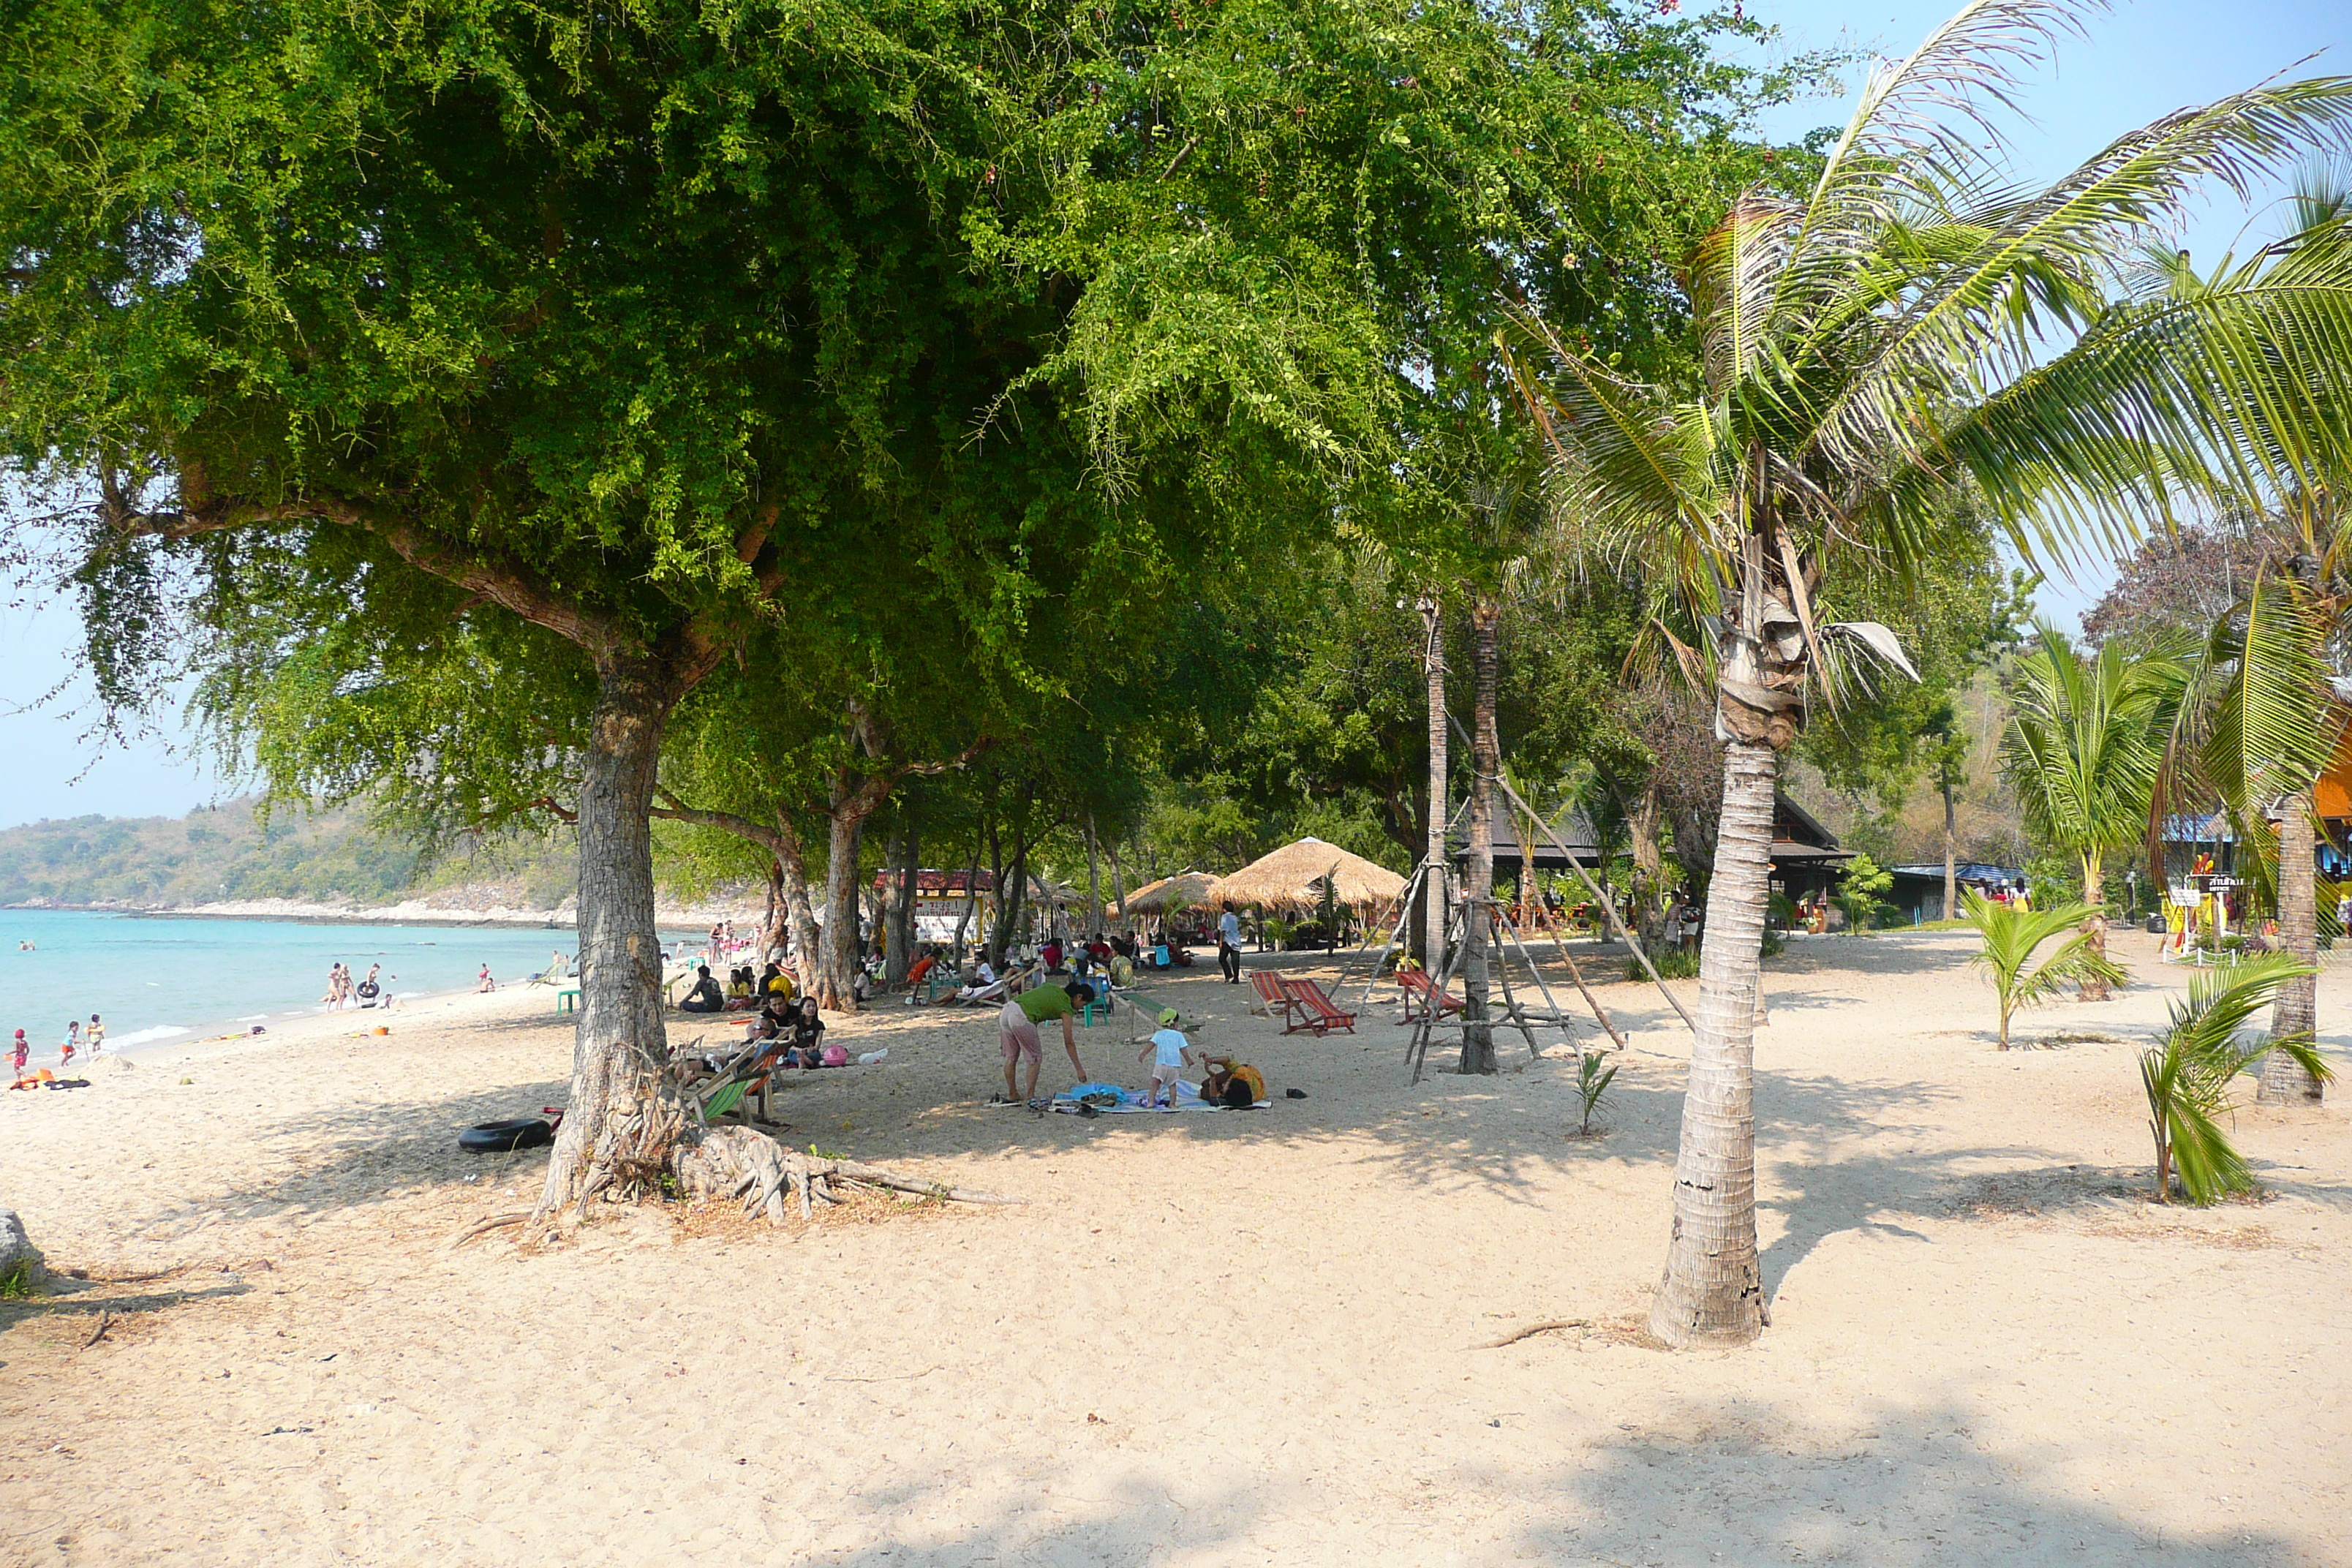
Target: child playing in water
97, 1036
1170, 1053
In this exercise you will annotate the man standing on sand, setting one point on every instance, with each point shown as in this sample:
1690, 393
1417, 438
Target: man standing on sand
1016, 1034
1229, 946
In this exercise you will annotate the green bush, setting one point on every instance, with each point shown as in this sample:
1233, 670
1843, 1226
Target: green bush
1674, 963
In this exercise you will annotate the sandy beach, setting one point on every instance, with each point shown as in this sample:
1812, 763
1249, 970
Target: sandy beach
1203, 1339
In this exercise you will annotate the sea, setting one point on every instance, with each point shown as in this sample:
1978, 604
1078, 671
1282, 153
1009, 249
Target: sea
156, 979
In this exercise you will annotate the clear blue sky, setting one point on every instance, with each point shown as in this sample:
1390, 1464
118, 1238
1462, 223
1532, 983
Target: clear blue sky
2137, 64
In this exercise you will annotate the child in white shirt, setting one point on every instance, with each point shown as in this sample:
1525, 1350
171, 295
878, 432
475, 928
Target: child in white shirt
1170, 1054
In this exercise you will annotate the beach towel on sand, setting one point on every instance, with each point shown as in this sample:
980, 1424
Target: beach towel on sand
1130, 1103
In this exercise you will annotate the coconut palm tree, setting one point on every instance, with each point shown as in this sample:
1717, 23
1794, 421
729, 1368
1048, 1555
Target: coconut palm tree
2085, 741
1911, 324
2011, 935
2188, 1076
2262, 718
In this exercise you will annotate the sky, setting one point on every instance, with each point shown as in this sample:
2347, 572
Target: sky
2136, 65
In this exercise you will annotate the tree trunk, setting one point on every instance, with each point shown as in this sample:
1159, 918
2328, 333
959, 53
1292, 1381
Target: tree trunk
1094, 883
1951, 850
1433, 895
620, 1041
2296, 1010
1649, 865
970, 900
1011, 887
1117, 885
774, 931
806, 939
902, 911
2095, 924
835, 988
1712, 1293
1478, 876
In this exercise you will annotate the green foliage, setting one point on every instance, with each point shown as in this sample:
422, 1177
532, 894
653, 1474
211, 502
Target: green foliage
21, 1282
1671, 962
2085, 743
2011, 937
1861, 893
1277, 932
2187, 1077
1592, 1081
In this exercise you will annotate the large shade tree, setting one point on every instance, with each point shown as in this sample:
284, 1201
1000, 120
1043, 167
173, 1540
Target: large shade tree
1912, 324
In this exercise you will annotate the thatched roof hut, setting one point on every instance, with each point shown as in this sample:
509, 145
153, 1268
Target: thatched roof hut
1158, 897
1292, 878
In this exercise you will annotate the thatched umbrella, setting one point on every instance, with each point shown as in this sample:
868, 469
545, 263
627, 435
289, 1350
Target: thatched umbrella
1158, 897
1292, 880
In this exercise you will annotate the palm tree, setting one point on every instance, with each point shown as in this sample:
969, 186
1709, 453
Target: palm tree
1910, 325
2262, 722
2084, 745
2187, 1077
2011, 935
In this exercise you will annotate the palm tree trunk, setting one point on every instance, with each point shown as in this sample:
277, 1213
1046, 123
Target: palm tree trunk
1432, 886
1712, 1293
2296, 1009
1951, 850
1478, 877
2095, 924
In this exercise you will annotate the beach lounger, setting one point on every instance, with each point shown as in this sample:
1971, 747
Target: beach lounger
1419, 995
996, 992
1272, 993
1317, 1012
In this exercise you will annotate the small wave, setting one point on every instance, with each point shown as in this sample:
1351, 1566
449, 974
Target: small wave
144, 1036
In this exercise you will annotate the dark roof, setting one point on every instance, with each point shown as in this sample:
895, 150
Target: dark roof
1574, 828
1962, 871
1792, 823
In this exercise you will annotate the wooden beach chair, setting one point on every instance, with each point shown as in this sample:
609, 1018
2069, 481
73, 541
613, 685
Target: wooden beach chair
1271, 997
1421, 994
1317, 1012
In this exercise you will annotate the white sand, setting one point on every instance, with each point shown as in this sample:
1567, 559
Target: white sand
1240, 1338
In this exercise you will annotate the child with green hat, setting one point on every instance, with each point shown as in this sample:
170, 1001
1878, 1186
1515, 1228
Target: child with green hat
1171, 1054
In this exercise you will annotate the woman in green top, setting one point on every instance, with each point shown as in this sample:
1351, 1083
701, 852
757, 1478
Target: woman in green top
1017, 1029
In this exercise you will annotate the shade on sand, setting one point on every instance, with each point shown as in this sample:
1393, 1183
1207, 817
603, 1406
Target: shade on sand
1292, 877
1156, 897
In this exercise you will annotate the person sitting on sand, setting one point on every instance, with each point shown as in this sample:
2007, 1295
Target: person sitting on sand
774, 1021
1234, 1085
777, 980
807, 1032
483, 982
1170, 1054
705, 997
1018, 1036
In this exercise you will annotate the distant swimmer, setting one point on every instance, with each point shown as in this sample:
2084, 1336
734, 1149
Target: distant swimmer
25, 947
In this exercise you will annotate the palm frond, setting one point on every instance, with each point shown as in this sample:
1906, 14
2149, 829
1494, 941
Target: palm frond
2188, 1076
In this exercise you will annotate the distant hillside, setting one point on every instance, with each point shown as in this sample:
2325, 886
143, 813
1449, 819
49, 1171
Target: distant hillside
224, 853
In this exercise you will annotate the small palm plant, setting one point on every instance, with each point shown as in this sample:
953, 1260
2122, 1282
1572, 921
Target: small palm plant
2011, 935
1591, 1082
2187, 1077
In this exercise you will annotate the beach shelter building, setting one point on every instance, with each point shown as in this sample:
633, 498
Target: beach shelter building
1297, 878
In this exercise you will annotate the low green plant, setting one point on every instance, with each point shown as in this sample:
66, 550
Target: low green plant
21, 1282
1592, 1083
1858, 894
2011, 935
2187, 1077
1774, 944
1780, 912
1672, 964
1277, 932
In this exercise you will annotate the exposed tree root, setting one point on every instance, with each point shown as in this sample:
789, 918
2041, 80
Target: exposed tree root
766, 1177
1532, 1330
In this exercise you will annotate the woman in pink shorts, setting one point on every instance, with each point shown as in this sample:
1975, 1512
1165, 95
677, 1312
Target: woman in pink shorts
1016, 1033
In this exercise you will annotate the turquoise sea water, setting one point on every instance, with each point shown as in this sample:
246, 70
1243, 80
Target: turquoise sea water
156, 980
